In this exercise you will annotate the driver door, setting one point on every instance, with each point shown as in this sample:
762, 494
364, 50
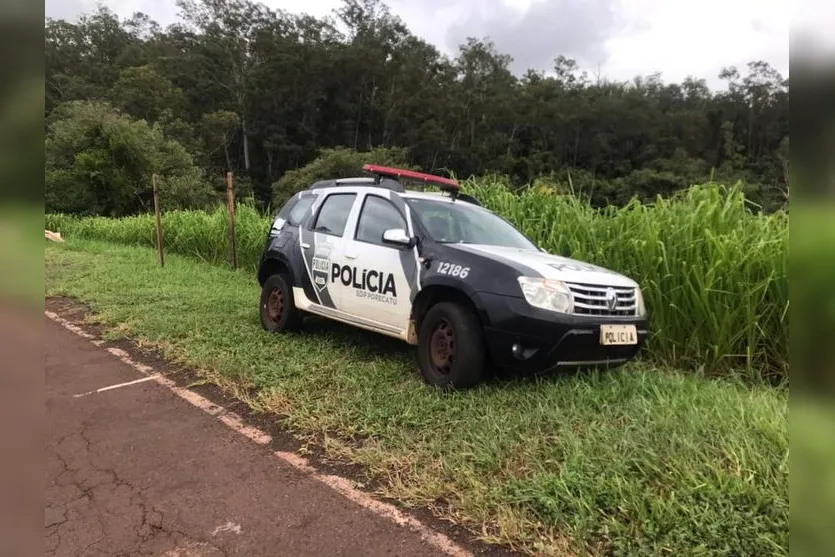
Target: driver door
381, 289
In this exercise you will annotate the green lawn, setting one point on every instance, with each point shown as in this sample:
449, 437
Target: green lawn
637, 461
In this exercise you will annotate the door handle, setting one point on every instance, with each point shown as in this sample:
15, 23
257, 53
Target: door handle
350, 255
305, 245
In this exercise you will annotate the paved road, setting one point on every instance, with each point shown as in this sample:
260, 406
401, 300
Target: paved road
138, 471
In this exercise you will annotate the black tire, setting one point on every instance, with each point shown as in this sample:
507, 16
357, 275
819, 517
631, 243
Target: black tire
451, 350
278, 308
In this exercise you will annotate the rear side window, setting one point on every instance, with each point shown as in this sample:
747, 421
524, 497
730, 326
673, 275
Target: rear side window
334, 213
299, 210
377, 216
296, 209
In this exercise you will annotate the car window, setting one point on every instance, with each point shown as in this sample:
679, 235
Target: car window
466, 224
299, 210
334, 213
377, 216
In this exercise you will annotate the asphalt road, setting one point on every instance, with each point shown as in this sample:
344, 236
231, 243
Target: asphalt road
136, 470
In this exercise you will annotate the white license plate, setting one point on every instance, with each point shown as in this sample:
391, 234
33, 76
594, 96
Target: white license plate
618, 334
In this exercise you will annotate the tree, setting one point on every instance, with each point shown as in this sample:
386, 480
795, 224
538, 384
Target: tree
143, 93
262, 93
100, 161
217, 130
228, 30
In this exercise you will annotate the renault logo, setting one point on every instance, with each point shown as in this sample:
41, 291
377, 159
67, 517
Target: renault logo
611, 299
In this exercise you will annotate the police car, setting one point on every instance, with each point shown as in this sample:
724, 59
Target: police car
439, 271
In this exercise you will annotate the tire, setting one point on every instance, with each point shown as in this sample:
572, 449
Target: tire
278, 308
462, 366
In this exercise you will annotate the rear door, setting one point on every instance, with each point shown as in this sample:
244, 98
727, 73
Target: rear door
378, 285
322, 243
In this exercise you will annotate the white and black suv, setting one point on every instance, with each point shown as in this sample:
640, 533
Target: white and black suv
439, 271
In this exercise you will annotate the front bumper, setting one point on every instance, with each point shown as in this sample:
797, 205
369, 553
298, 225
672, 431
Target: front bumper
546, 339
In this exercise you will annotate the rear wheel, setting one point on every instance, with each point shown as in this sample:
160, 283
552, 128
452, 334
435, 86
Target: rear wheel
451, 346
278, 309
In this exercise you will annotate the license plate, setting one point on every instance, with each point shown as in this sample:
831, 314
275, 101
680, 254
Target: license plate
618, 334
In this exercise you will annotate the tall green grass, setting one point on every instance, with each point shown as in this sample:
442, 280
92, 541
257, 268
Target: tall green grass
714, 273
203, 235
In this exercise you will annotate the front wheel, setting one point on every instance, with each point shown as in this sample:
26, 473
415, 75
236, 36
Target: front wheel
278, 309
451, 349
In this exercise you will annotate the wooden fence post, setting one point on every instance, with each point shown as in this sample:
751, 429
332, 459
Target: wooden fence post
159, 222
230, 202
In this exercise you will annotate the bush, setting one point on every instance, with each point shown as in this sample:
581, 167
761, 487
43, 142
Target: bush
100, 161
339, 162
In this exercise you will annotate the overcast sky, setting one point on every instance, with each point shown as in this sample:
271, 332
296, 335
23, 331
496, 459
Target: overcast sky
619, 38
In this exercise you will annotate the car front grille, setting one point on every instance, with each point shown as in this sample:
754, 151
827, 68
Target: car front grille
591, 299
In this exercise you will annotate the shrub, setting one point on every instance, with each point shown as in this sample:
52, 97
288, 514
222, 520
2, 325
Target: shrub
100, 161
340, 162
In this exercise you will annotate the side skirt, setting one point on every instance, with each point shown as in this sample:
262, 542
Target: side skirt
304, 304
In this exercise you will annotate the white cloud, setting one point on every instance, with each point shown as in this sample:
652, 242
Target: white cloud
681, 38
815, 20
63, 9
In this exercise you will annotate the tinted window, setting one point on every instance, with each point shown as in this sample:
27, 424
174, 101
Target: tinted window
466, 224
299, 210
334, 213
377, 216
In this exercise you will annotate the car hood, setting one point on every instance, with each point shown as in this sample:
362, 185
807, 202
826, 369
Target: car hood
548, 265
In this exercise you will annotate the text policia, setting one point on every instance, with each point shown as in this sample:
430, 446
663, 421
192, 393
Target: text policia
375, 285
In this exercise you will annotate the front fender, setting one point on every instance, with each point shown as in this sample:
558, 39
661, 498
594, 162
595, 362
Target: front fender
463, 287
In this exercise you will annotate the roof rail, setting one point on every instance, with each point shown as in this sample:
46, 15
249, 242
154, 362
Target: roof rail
392, 185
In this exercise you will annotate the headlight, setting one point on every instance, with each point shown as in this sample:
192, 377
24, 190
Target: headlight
547, 294
639, 301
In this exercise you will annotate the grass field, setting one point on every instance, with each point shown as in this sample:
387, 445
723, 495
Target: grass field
715, 275
641, 460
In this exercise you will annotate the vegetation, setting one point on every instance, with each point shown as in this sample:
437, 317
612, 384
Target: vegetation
334, 163
715, 275
99, 161
261, 93
637, 461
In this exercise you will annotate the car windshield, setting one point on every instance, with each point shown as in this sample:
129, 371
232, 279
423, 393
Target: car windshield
466, 224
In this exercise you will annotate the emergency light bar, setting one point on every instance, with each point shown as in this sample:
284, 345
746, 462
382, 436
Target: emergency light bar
400, 173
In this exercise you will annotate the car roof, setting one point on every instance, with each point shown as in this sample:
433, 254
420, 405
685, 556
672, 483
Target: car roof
434, 195
358, 184
385, 183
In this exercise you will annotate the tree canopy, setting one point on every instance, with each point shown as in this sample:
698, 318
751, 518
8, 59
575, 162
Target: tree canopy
262, 92
99, 161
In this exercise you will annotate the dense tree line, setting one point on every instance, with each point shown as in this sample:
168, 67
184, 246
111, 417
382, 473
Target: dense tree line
262, 92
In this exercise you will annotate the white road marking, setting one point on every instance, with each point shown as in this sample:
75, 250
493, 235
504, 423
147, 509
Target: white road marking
228, 527
69, 326
392, 513
118, 386
339, 484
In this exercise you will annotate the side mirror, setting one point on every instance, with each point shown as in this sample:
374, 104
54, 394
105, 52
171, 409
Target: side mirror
397, 237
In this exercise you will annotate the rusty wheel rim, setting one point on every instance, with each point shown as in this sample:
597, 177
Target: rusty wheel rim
442, 347
275, 304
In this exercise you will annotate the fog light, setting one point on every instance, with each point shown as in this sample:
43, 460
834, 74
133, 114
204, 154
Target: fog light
517, 350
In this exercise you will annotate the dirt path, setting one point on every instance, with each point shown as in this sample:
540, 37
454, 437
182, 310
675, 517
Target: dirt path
137, 470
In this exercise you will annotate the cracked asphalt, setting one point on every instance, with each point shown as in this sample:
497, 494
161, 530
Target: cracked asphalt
138, 471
